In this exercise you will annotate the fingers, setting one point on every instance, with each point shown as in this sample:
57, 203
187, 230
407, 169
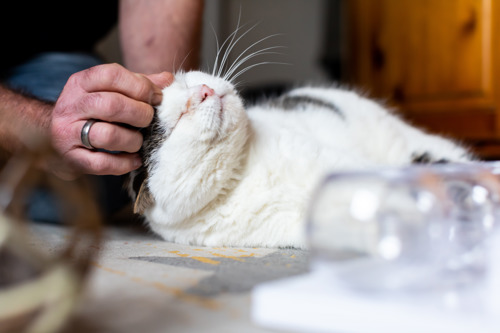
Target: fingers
112, 137
113, 96
102, 163
162, 80
115, 78
116, 108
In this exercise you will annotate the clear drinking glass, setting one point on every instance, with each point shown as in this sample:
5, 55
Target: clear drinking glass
419, 228
473, 194
379, 230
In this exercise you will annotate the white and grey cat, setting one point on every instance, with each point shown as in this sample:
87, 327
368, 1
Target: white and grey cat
218, 174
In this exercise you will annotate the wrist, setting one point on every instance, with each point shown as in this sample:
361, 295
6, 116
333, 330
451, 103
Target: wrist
22, 119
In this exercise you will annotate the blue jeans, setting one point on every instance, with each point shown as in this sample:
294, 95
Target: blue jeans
44, 77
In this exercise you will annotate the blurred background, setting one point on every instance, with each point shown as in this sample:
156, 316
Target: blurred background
305, 28
435, 61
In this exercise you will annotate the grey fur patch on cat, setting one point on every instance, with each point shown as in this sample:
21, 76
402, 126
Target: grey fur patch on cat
298, 102
426, 158
154, 135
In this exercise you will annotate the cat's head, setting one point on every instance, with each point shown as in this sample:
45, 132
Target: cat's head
194, 146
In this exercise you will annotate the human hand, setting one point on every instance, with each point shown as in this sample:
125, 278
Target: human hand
114, 97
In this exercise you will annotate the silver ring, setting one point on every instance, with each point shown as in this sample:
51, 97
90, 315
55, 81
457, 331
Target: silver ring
85, 133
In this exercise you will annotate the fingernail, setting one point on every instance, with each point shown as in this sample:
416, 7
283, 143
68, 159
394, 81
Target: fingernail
169, 78
158, 92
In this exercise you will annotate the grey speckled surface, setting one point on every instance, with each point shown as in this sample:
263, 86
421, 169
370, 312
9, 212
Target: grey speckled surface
143, 284
238, 274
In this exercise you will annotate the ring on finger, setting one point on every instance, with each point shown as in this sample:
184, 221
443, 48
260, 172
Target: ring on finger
85, 133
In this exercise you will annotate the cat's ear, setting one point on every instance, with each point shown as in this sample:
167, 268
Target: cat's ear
143, 200
139, 189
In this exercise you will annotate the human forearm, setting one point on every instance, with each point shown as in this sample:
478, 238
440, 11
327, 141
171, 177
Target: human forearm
160, 35
20, 117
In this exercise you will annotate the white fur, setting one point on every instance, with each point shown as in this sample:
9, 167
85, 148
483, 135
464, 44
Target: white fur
226, 176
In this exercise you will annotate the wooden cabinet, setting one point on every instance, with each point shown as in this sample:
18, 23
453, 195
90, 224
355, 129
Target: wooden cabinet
438, 61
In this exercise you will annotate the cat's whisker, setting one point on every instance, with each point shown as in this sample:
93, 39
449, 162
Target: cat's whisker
184, 60
239, 83
221, 48
173, 62
207, 64
218, 48
239, 62
255, 65
229, 77
231, 47
219, 51
228, 49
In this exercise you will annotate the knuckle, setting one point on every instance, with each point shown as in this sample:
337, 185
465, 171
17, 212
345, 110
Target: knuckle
111, 71
108, 74
76, 77
89, 74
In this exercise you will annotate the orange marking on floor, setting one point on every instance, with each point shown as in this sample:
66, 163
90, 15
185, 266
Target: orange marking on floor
176, 292
137, 279
179, 254
201, 259
224, 256
109, 270
206, 260
247, 255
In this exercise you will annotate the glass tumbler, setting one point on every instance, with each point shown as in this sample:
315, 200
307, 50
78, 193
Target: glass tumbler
473, 209
380, 230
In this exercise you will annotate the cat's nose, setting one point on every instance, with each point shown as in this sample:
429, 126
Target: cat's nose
206, 91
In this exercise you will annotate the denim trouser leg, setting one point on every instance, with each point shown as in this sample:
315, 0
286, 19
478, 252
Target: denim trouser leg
44, 77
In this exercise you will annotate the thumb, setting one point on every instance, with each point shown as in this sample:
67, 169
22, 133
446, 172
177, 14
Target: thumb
162, 79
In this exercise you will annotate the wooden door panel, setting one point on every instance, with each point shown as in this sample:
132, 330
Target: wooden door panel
423, 51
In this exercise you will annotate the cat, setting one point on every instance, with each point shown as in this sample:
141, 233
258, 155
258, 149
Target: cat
217, 173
